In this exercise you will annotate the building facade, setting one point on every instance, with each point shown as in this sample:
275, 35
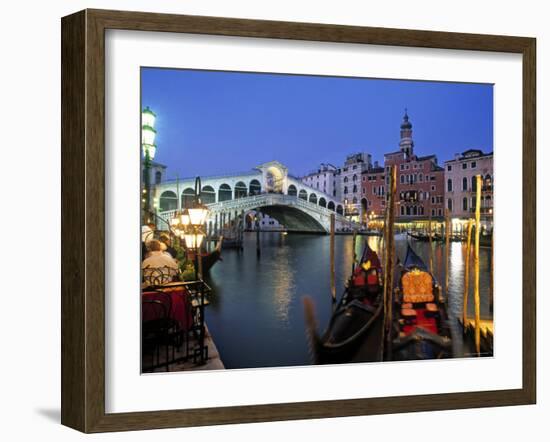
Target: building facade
373, 193
351, 184
324, 179
419, 191
460, 183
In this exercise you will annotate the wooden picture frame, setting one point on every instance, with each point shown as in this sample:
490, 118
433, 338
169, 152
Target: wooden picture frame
83, 219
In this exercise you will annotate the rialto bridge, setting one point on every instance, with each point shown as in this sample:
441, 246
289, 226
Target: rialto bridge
268, 188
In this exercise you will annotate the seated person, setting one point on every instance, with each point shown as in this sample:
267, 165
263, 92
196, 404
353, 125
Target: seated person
159, 267
165, 239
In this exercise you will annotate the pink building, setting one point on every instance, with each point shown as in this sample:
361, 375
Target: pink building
420, 180
460, 184
373, 192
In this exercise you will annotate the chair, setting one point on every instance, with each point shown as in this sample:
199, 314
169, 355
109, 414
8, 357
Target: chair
154, 331
157, 276
158, 327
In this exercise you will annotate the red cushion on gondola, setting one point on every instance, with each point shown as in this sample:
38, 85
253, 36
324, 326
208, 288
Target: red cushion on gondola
372, 278
408, 312
431, 307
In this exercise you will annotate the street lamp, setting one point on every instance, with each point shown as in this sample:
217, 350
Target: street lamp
189, 225
149, 148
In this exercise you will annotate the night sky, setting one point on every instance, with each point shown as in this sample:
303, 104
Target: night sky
213, 123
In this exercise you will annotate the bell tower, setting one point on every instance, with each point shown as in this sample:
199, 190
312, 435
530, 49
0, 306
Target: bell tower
406, 143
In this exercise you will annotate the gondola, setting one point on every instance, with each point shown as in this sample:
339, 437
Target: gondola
357, 313
419, 236
209, 258
421, 325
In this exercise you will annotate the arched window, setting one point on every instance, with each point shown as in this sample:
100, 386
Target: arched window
449, 185
313, 198
255, 188
208, 195
354, 178
450, 204
355, 188
464, 184
339, 210
402, 210
303, 195
322, 202
414, 210
240, 190
465, 204
224, 193
345, 179
292, 190
474, 183
187, 197
158, 177
330, 205
354, 200
168, 201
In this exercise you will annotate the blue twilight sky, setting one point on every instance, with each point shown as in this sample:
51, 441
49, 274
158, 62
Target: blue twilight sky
211, 122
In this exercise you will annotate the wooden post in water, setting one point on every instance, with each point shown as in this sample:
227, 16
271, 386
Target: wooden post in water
388, 266
332, 272
447, 251
258, 233
492, 257
467, 274
476, 262
430, 238
353, 254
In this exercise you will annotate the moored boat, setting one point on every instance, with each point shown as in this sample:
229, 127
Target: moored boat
421, 325
357, 313
209, 258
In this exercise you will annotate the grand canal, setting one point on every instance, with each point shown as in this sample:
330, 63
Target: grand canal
256, 316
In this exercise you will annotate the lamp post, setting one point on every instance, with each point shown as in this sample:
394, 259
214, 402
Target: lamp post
149, 149
189, 225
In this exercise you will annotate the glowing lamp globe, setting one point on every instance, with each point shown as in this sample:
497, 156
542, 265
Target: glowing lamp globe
148, 135
184, 218
193, 240
148, 117
197, 215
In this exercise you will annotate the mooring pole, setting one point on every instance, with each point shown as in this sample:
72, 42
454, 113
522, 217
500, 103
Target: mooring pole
332, 272
430, 238
258, 234
476, 263
447, 251
467, 274
388, 267
353, 254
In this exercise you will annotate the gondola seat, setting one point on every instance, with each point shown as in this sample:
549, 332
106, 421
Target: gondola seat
417, 287
431, 307
409, 315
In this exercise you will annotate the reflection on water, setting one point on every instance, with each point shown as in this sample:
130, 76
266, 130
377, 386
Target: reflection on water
256, 315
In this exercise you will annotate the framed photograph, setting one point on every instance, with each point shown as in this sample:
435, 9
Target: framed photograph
267, 220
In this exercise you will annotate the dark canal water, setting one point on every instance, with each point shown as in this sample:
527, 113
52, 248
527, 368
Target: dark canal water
256, 316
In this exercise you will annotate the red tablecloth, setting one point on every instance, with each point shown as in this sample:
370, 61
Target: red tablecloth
180, 310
